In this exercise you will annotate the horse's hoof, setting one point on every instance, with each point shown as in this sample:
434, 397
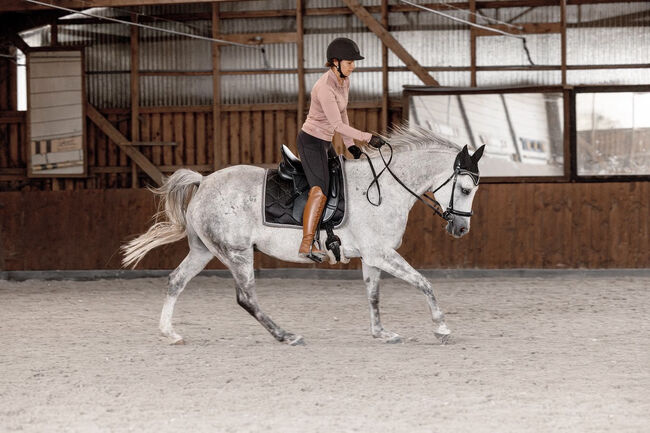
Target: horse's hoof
296, 340
444, 338
395, 339
179, 342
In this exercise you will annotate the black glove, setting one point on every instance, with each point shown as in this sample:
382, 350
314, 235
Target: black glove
355, 151
376, 141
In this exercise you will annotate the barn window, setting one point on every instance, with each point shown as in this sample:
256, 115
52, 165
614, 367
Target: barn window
613, 133
522, 129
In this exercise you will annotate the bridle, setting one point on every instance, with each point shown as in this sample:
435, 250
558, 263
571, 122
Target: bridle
430, 201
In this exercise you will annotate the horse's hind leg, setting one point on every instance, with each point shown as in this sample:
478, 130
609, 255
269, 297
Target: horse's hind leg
240, 263
194, 262
371, 277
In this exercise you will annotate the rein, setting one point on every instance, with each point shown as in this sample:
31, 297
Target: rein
430, 202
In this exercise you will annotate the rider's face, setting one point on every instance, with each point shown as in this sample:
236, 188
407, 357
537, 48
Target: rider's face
347, 66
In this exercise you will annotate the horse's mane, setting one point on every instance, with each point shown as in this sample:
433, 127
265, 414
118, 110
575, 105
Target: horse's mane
411, 137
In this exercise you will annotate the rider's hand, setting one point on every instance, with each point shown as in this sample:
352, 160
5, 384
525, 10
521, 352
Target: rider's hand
355, 151
376, 141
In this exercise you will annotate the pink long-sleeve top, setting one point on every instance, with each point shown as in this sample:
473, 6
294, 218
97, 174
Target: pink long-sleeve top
328, 111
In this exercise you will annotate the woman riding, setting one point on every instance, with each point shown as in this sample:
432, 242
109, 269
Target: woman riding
327, 114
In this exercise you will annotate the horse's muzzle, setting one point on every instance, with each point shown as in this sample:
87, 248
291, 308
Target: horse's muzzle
458, 226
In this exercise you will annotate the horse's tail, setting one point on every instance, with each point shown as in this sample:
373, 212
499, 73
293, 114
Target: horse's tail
169, 226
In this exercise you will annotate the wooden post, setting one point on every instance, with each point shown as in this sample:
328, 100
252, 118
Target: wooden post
54, 33
301, 62
472, 43
216, 90
391, 42
563, 39
384, 70
135, 94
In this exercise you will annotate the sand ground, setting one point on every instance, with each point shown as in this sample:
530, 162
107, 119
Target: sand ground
562, 354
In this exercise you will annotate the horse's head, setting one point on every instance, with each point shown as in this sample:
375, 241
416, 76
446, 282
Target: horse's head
457, 193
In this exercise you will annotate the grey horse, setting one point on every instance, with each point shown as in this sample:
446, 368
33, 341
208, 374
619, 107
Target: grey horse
221, 215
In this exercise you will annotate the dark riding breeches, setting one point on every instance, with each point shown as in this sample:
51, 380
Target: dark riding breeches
314, 154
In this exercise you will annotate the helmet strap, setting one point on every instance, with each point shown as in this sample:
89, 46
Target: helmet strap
338, 67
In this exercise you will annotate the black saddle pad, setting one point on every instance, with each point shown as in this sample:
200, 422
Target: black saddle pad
283, 208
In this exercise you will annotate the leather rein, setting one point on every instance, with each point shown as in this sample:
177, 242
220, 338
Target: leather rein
430, 201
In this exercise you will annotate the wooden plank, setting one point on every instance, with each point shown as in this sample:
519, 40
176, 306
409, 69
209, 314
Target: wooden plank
245, 144
292, 132
259, 38
527, 29
384, 70
216, 92
258, 137
280, 134
190, 146
224, 147
300, 50
234, 138
135, 92
201, 139
390, 42
14, 145
563, 40
167, 121
472, 43
125, 181
121, 141
179, 137
156, 152
269, 147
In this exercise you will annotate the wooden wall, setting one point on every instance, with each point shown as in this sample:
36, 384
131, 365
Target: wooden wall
560, 225
249, 135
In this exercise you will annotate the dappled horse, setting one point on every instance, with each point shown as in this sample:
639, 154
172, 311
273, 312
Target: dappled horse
221, 215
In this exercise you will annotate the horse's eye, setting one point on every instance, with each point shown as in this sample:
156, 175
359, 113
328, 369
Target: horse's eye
464, 191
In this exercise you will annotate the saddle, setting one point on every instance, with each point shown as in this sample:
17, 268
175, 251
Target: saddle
286, 191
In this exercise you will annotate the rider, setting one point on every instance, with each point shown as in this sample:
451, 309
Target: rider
327, 114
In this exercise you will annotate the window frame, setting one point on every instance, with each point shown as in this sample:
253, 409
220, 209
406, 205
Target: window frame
575, 177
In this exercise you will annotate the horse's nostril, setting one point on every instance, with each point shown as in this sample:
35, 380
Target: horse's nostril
463, 229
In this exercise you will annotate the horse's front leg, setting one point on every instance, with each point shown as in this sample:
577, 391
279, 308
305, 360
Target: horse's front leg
371, 276
391, 262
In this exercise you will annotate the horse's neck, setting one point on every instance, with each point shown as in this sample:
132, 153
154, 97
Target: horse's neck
421, 170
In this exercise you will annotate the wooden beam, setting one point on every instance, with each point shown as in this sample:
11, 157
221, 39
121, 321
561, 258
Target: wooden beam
527, 28
563, 47
301, 62
259, 38
384, 70
21, 5
135, 94
472, 43
216, 90
116, 136
391, 42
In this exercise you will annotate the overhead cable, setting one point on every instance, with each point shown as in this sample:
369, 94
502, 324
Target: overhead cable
460, 20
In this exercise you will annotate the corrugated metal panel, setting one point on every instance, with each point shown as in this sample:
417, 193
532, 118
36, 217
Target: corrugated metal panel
515, 78
261, 25
504, 50
259, 5
108, 90
609, 76
175, 91
624, 45
279, 56
169, 52
431, 48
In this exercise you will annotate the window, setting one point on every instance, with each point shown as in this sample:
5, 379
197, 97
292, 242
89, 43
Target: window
522, 129
612, 132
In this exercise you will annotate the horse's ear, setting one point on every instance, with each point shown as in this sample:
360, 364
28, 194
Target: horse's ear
464, 150
478, 154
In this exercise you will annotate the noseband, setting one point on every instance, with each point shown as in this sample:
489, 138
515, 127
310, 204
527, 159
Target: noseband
431, 202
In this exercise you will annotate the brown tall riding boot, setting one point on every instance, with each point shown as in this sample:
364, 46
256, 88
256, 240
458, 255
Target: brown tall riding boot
310, 218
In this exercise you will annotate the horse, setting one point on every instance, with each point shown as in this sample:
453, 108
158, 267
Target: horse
221, 216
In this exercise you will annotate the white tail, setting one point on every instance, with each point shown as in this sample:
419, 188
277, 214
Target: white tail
170, 223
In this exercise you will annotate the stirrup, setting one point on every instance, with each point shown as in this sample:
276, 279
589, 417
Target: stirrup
316, 258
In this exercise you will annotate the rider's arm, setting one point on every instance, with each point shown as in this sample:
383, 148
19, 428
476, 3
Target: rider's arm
331, 109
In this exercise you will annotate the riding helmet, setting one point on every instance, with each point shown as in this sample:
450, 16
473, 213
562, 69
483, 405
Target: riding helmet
343, 49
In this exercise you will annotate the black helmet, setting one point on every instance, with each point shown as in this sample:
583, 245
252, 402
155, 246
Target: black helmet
343, 49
